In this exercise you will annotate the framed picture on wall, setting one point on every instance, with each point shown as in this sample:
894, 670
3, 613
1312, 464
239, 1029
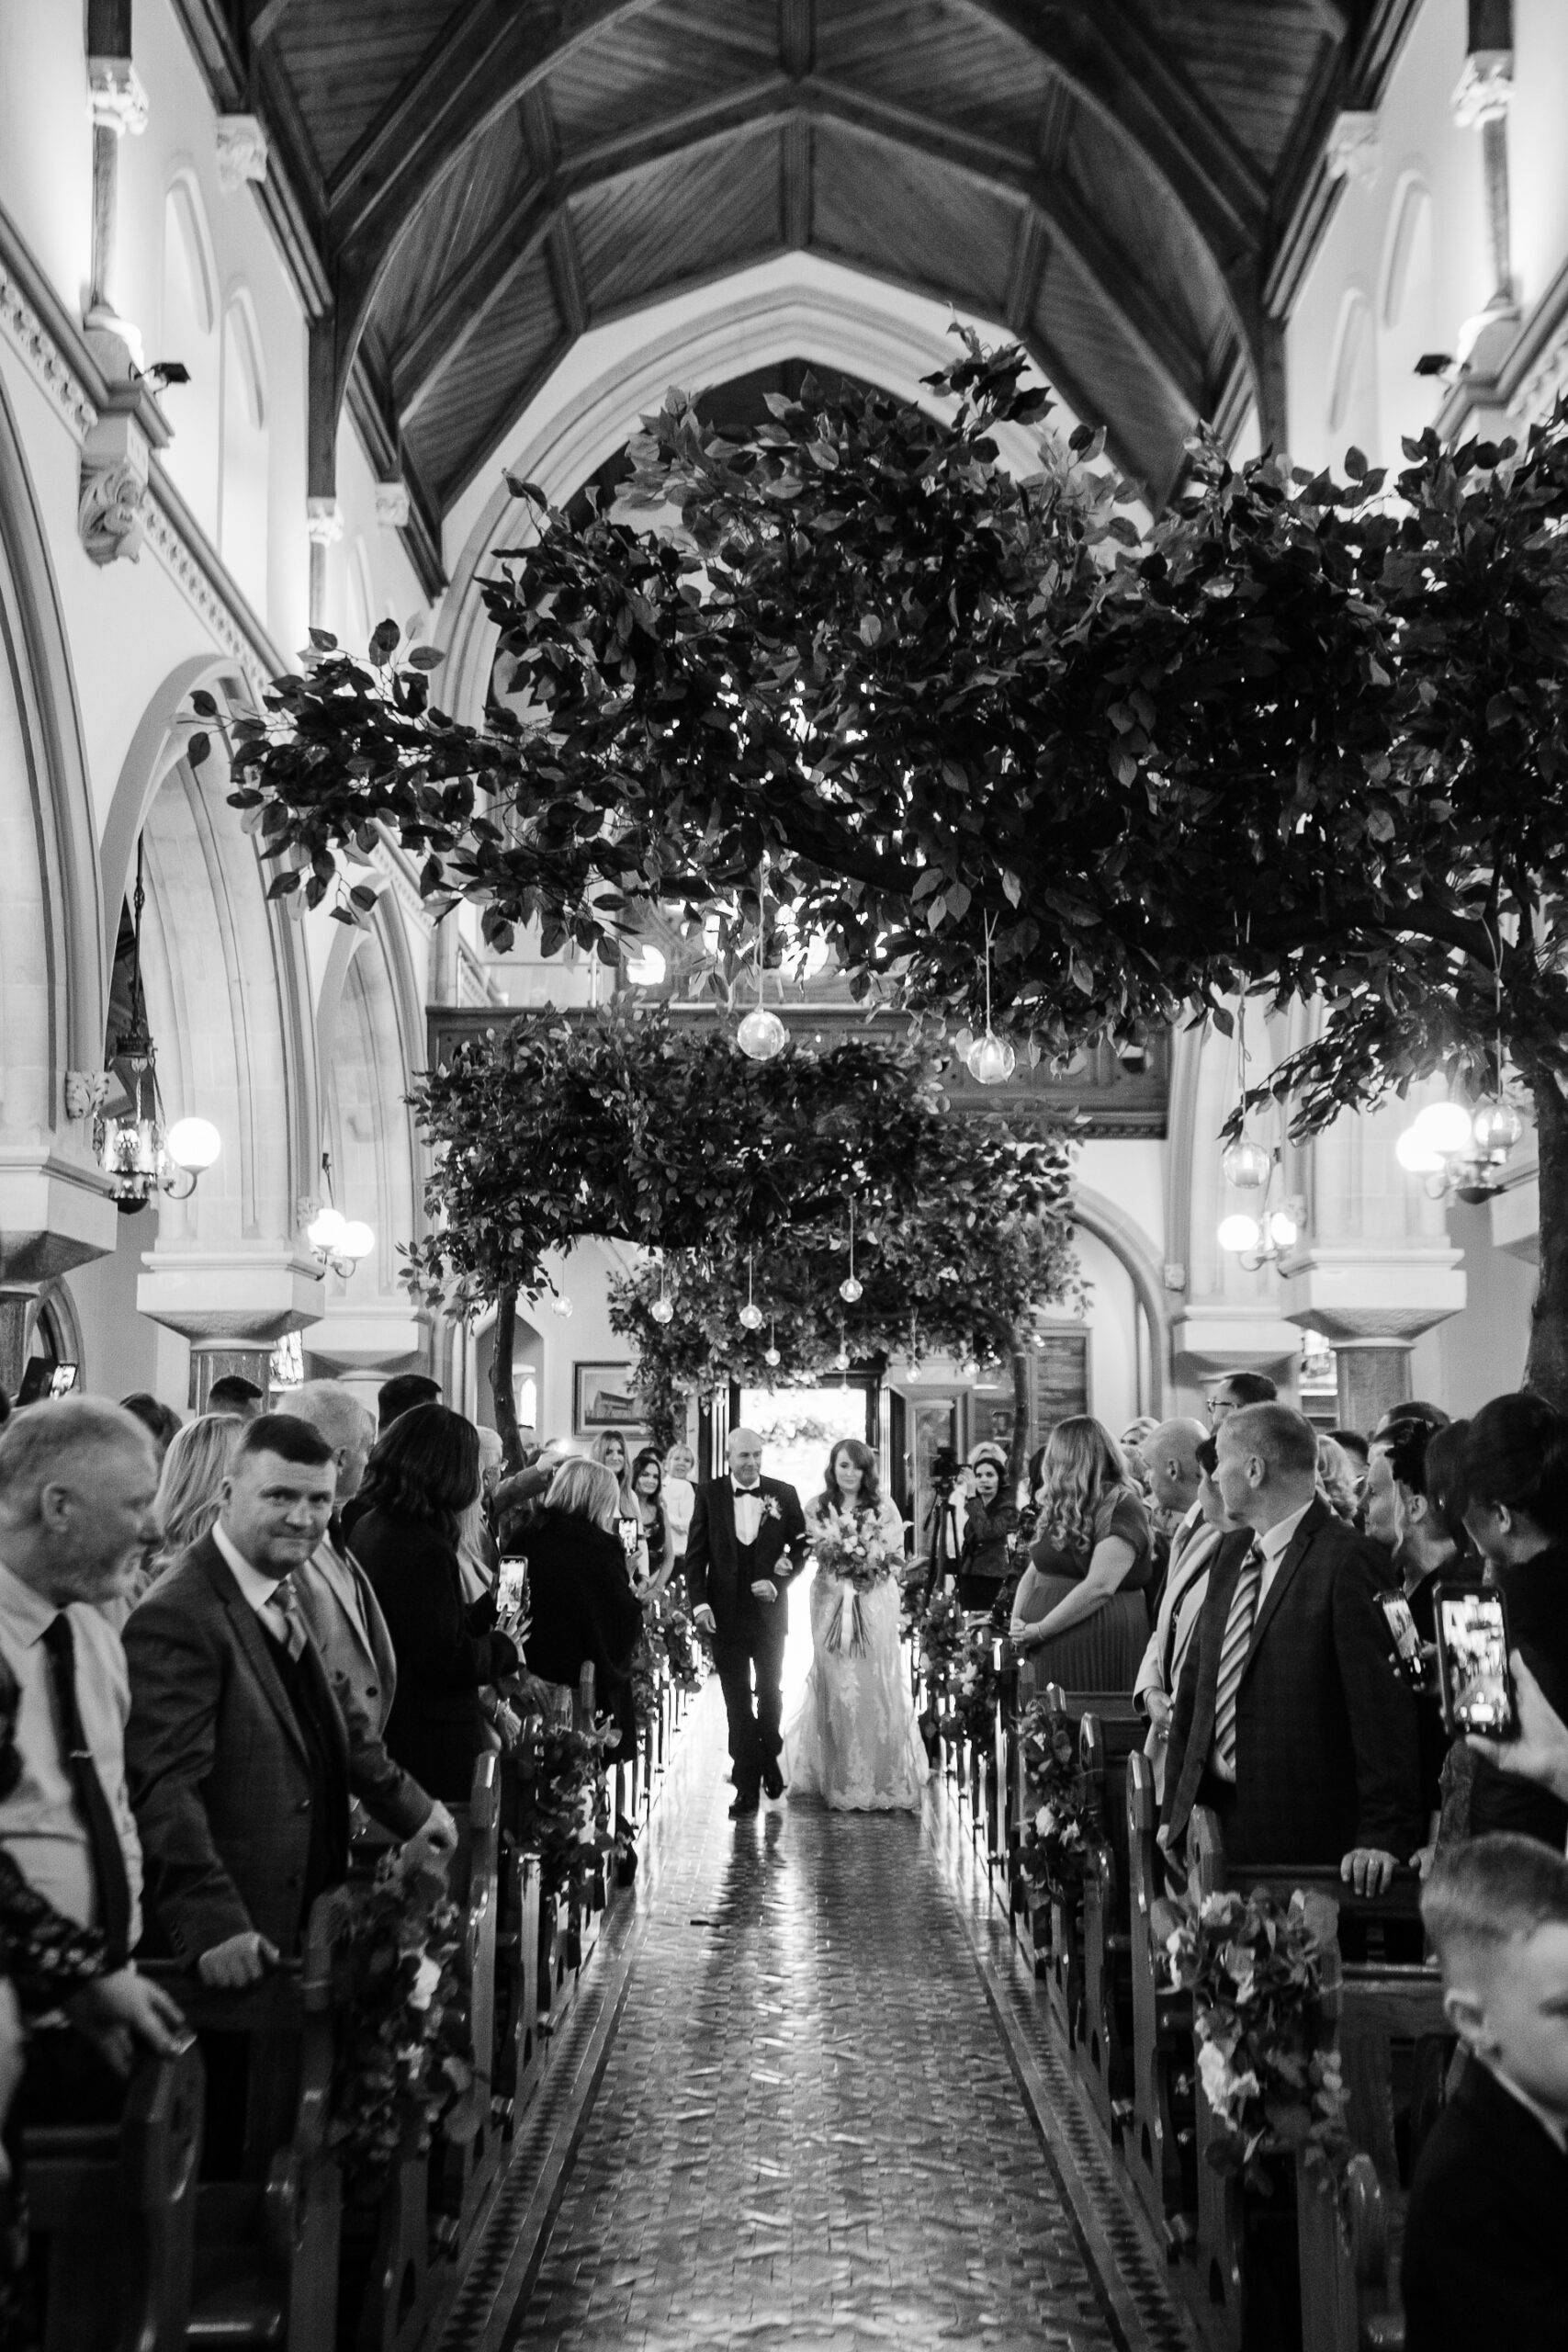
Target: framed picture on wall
606, 1397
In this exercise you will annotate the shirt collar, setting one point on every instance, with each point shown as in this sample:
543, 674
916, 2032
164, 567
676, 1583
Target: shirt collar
1277, 1543
1554, 2126
26, 1613
255, 1590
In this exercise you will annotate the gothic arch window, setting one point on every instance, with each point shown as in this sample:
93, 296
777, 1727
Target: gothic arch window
1353, 379
188, 333
1408, 258
1408, 313
245, 485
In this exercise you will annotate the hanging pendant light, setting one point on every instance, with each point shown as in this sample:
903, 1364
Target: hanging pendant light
850, 1290
751, 1316
990, 1059
337, 1242
661, 1310
135, 1153
771, 1355
762, 1035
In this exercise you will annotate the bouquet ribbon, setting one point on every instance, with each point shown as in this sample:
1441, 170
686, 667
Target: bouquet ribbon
846, 1630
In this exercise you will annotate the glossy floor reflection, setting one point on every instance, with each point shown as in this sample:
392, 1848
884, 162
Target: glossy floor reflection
809, 2129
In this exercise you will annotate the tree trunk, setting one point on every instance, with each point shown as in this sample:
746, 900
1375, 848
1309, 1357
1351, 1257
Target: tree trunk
1546, 1368
501, 1384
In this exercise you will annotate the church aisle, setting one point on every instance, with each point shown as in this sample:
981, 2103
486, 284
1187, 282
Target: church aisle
809, 2129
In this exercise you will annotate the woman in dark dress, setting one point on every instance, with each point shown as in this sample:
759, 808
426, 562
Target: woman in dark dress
420, 1480
990, 1524
1081, 1615
1516, 1474
583, 1610
648, 1497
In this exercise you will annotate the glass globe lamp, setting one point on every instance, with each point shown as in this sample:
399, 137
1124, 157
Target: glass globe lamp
750, 1317
841, 1360
356, 1241
325, 1231
849, 1289
762, 1035
1416, 1157
193, 1143
1238, 1233
1282, 1229
990, 1059
561, 1306
1247, 1164
1497, 1126
661, 1311
771, 1358
1444, 1127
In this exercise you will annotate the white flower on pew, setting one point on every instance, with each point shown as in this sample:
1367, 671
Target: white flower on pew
1227, 2092
427, 1976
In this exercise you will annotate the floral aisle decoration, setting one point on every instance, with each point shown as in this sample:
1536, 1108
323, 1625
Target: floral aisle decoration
403, 2059
682, 1648
972, 1687
942, 1633
572, 1825
1267, 2061
851, 1548
1053, 1848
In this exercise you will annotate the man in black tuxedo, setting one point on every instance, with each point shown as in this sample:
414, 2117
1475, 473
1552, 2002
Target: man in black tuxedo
1292, 1718
747, 1541
1486, 2249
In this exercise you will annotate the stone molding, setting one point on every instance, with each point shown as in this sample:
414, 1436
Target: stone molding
116, 99
1485, 91
112, 497
241, 152
1354, 151
393, 506
323, 522
36, 346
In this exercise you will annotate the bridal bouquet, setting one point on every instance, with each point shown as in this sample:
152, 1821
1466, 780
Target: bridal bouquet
850, 1547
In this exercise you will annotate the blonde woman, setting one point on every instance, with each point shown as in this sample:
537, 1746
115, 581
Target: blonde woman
1081, 1614
610, 1451
190, 1494
583, 1610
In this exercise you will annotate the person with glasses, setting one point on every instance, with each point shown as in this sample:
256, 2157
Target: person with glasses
1236, 1389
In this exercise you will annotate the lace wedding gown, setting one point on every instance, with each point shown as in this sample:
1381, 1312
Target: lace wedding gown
855, 1742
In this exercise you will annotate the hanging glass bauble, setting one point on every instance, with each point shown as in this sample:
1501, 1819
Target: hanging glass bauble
969, 1369
850, 1290
750, 1317
771, 1358
561, 1306
1246, 1164
762, 1035
841, 1360
990, 1059
661, 1311
1498, 1128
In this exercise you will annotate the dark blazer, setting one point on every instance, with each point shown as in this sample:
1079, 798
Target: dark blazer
1325, 1754
1536, 1593
1485, 2245
445, 1648
713, 1573
582, 1610
219, 1772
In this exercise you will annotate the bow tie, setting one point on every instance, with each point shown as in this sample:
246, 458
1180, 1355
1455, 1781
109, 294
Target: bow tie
748, 1491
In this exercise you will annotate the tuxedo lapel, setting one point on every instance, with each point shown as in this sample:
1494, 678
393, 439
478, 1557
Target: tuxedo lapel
1296, 1550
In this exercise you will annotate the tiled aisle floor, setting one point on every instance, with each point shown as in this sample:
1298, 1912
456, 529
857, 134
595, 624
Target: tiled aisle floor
809, 2130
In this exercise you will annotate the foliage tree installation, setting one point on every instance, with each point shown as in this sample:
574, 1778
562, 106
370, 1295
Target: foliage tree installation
1308, 738
622, 1124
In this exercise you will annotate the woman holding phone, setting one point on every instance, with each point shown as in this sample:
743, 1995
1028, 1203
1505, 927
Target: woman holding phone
1516, 1477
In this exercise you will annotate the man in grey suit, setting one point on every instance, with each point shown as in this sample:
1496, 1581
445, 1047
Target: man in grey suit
340, 1611
240, 1763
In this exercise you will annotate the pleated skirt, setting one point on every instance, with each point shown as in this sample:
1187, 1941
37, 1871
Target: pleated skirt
1102, 1653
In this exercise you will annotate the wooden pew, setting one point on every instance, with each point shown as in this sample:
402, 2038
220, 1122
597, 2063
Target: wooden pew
1157, 2140
114, 2206
1104, 2053
1063, 1963
467, 2154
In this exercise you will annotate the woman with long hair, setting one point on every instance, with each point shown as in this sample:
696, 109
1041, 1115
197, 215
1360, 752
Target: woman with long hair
189, 1497
855, 1742
648, 1502
417, 1484
612, 1452
582, 1610
1081, 1617
991, 1528
1515, 1510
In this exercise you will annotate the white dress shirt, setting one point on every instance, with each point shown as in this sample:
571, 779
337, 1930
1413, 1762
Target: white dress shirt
680, 1499
39, 1825
259, 1592
748, 1513
1275, 1544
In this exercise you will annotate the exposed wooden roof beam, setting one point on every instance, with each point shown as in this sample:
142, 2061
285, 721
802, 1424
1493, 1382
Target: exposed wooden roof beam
796, 162
1026, 272
566, 273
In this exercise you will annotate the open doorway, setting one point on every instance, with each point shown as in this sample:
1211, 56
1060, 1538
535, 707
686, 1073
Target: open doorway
800, 1427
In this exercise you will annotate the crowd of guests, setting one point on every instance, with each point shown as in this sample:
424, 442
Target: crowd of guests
1247, 1583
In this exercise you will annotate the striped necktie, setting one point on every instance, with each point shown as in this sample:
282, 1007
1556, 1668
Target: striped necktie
288, 1623
1232, 1659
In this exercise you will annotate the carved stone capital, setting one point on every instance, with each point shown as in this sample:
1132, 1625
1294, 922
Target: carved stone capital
323, 522
393, 506
116, 99
241, 152
86, 1091
112, 512
1354, 151
1485, 89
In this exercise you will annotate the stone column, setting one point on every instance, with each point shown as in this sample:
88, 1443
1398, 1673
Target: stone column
55, 1213
1371, 1305
231, 1305
363, 1346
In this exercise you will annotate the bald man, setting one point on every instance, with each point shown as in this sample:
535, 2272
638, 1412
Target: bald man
747, 1543
1179, 1457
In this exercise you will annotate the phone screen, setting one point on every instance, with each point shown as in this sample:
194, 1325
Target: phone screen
630, 1533
511, 1590
1472, 1652
62, 1380
1406, 1638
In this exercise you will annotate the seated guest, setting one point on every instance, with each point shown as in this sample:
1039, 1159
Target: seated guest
159, 1422
1485, 2250
647, 1495
991, 1528
679, 1496
1290, 1718
241, 1765
1080, 1616
1236, 1389
1515, 1472
1181, 1459
236, 1394
422, 1477
76, 1489
582, 1609
401, 1394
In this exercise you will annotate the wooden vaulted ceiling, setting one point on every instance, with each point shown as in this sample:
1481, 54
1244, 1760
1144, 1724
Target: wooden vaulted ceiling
464, 187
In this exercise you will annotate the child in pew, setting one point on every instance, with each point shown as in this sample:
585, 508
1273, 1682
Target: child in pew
1486, 2234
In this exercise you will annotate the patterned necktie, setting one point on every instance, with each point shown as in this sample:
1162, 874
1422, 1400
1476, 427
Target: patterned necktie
286, 1603
107, 1854
1232, 1659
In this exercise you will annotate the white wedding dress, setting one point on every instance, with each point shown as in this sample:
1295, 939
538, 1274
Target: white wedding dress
855, 1742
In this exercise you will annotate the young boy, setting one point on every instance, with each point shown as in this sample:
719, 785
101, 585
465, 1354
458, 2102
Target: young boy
1487, 2237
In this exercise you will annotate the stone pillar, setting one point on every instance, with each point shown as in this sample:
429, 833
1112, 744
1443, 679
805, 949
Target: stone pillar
1370, 1304
363, 1346
232, 1307
1374, 1375
1227, 1336
55, 1213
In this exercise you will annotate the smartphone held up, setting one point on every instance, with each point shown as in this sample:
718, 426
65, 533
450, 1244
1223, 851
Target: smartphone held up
1472, 1662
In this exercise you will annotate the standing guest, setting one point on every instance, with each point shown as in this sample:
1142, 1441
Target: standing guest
1414, 1494
236, 1394
609, 1448
1081, 1615
159, 1422
401, 1394
422, 1477
680, 1495
190, 1494
1413, 1409
1358, 1447
242, 1764
1485, 2256
1336, 1479
747, 1544
1238, 1389
1181, 1460
76, 1491
340, 1611
991, 1528
1175, 1481
1131, 1441
648, 1499
1290, 1718
582, 1609
478, 1557
1516, 1474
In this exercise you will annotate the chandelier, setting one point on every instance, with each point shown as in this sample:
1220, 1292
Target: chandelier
337, 1242
1260, 1240
137, 1154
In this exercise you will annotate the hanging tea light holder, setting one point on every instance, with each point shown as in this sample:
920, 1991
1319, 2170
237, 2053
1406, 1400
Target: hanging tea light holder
990, 1059
850, 1290
751, 1316
761, 1036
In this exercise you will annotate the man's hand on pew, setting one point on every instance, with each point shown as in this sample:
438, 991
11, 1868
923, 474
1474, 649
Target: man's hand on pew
117, 2011
1540, 1752
1368, 1869
433, 1842
239, 1961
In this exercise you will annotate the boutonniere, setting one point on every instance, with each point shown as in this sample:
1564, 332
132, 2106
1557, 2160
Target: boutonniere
771, 1506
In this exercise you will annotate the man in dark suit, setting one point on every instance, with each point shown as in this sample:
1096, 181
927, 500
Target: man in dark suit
747, 1541
1485, 2249
240, 1761
1292, 1718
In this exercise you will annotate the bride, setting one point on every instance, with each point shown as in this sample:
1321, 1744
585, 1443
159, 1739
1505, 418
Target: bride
855, 1741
